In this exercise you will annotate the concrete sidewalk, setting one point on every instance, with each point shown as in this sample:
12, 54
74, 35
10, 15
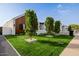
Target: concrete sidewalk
72, 49
5, 48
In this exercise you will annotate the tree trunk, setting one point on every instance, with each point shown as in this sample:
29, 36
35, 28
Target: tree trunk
30, 37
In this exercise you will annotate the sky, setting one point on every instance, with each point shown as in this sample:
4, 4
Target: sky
66, 13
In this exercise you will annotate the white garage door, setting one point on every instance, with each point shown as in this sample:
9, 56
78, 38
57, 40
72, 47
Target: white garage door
6, 31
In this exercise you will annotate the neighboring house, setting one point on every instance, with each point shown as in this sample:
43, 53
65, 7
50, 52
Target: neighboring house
41, 28
64, 30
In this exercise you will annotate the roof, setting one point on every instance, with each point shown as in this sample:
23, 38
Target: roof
14, 18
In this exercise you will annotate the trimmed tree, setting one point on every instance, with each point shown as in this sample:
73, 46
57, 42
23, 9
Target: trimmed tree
49, 23
69, 28
57, 27
31, 22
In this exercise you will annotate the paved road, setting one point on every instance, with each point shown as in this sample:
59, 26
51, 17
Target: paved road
73, 48
5, 48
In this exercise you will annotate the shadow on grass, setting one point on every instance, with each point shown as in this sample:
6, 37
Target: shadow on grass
61, 44
11, 36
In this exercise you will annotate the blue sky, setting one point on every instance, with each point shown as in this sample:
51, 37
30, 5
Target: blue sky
66, 13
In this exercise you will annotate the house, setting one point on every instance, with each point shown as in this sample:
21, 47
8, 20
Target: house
17, 25
14, 26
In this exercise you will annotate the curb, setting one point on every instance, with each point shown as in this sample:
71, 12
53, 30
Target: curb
12, 46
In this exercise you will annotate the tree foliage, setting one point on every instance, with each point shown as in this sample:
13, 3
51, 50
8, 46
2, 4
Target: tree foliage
31, 21
69, 28
49, 23
57, 26
74, 26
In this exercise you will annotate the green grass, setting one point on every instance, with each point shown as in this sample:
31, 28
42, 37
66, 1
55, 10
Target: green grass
45, 46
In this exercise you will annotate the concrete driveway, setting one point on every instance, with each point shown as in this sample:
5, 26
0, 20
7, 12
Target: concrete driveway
5, 48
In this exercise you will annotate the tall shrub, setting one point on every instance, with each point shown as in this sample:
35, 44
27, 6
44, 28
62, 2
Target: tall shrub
57, 26
31, 22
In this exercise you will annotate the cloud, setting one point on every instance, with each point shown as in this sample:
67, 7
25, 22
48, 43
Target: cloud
62, 10
59, 6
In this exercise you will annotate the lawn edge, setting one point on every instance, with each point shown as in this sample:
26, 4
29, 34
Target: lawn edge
66, 47
12, 46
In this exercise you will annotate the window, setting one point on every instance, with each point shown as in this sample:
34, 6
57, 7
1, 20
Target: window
24, 26
21, 26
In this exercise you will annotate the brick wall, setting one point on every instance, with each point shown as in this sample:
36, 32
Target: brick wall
19, 23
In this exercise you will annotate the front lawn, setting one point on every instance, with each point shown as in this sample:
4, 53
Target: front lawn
45, 46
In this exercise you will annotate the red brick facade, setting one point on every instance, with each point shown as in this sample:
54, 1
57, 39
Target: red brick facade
19, 24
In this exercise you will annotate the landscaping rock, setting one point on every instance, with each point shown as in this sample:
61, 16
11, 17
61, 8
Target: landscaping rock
30, 40
49, 36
